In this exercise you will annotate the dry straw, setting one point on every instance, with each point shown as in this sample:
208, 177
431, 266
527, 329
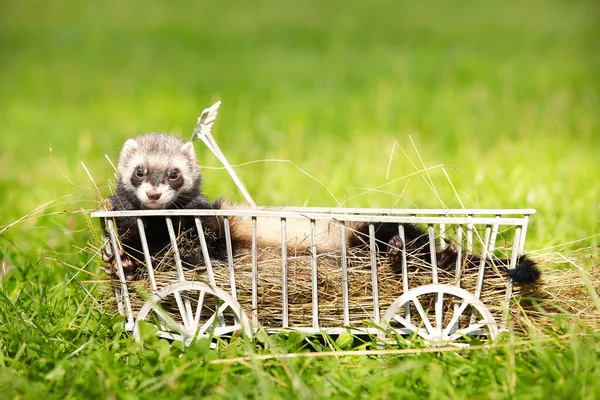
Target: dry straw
565, 292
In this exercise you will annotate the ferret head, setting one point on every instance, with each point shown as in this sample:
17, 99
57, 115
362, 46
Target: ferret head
159, 170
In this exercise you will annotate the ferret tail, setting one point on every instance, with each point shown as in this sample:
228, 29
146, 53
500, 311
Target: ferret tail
525, 272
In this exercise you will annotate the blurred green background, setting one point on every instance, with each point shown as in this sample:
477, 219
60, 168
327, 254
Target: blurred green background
504, 94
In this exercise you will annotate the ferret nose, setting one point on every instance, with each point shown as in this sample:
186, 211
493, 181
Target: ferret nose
153, 195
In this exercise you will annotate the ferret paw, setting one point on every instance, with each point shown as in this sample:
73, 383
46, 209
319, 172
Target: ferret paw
395, 246
447, 257
111, 270
107, 258
129, 266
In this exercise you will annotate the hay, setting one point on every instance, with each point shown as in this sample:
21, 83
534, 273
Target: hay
567, 292
561, 291
330, 287
560, 297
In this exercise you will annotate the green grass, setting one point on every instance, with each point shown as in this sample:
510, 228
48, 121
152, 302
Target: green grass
505, 95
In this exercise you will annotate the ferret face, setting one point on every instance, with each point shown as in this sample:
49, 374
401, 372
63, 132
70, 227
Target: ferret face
157, 168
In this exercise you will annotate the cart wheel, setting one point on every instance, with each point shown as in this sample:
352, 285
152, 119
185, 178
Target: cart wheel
450, 313
188, 310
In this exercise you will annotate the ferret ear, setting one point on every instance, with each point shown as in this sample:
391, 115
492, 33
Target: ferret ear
188, 149
129, 146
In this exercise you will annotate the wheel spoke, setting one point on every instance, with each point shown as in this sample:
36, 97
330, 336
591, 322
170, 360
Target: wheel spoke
439, 310
211, 320
466, 331
221, 319
171, 336
188, 307
455, 318
169, 322
424, 317
412, 327
199, 307
402, 321
224, 330
182, 310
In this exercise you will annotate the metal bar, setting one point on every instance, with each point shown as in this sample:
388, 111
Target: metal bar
207, 263
254, 274
433, 253
299, 211
205, 255
199, 306
404, 269
509, 285
284, 274
344, 258
313, 263
407, 310
493, 239
107, 247
120, 273
481, 272
411, 211
523, 234
482, 263
470, 229
185, 317
459, 256
105, 237
335, 330
439, 310
176, 254
320, 216
442, 234
178, 264
373, 248
147, 256
459, 263
229, 250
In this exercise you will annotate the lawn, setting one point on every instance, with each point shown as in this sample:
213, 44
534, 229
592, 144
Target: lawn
322, 101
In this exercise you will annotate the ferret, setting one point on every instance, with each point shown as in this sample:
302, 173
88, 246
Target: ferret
159, 171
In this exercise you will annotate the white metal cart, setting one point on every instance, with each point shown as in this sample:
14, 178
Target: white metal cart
437, 312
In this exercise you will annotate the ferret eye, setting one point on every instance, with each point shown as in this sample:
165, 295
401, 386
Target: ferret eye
174, 175
139, 173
